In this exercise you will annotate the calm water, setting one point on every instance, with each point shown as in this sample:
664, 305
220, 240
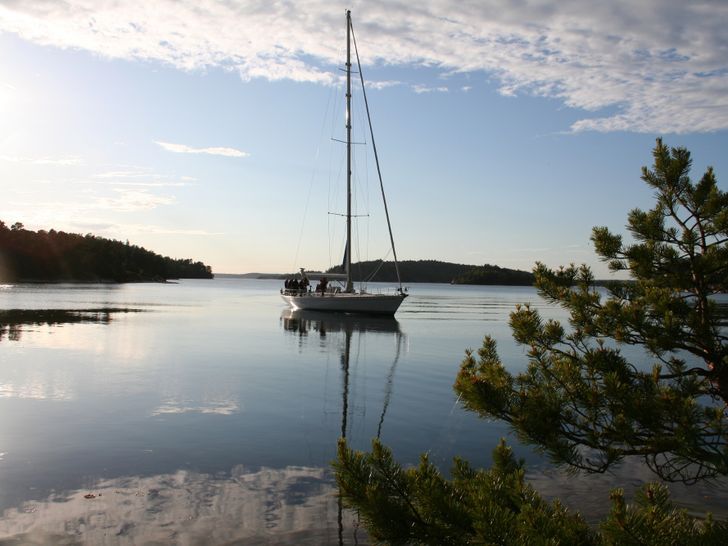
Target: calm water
206, 412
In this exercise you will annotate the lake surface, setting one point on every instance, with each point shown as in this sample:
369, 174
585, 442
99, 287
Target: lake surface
206, 412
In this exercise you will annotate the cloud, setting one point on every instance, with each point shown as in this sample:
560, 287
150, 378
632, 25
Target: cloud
131, 201
118, 183
184, 149
87, 220
138, 178
650, 66
61, 161
419, 89
274, 68
40, 212
161, 230
531, 250
122, 230
383, 84
137, 173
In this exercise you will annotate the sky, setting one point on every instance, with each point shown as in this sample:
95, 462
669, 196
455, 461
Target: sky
208, 129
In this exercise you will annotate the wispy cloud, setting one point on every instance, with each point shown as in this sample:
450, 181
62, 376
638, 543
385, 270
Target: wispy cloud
184, 149
62, 161
65, 221
8, 94
137, 229
649, 66
121, 200
137, 173
383, 84
531, 250
137, 184
570, 248
419, 89
161, 230
131, 201
283, 67
138, 178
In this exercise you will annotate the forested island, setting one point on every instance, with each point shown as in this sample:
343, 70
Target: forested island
438, 272
56, 256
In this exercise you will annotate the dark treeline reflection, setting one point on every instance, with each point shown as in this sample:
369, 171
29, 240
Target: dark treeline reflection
58, 256
13, 321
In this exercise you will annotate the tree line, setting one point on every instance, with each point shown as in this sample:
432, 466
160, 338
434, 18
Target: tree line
52, 256
437, 271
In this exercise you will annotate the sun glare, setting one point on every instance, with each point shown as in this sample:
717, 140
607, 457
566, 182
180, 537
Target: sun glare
7, 97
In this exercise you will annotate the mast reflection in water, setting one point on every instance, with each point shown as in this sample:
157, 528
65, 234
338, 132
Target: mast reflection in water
311, 323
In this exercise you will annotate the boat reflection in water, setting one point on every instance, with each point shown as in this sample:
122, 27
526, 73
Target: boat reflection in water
305, 323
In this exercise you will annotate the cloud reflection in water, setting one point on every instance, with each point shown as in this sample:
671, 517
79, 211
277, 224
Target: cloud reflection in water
293, 505
218, 407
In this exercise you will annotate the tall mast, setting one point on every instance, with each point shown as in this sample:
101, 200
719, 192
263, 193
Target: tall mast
376, 159
349, 284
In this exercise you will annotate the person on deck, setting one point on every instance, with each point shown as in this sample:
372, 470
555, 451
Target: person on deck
322, 285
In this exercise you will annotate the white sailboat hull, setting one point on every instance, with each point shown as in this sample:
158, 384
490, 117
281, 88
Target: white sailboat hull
373, 304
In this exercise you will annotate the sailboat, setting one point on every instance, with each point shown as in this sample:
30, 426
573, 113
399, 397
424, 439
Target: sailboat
347, 299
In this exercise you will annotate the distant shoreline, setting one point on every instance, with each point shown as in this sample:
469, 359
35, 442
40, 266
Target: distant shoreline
253, 275
283, 276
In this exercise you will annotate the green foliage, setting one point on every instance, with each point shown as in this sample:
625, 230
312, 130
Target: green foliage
58, 256
581, 401
496, 506
653, 521
418, 506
